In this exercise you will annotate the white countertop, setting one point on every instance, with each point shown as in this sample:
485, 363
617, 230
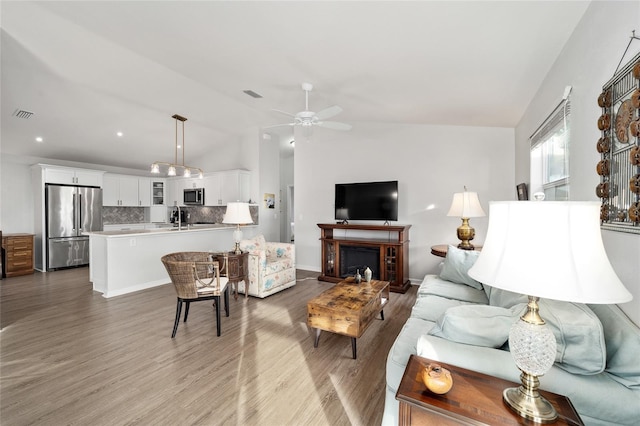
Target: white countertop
164, 230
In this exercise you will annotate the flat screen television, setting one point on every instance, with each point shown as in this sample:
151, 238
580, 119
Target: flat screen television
367, 201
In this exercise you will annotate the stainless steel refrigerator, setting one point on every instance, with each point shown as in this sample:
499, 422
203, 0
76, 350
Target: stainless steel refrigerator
71, 211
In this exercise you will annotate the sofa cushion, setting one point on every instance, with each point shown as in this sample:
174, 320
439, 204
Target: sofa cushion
253, 245
478, 325
276, 265
435, 285
579, 336
622, 339
504, 298
431, 307
457, 264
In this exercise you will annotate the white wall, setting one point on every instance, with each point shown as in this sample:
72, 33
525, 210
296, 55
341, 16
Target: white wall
269, 183
286, 179
587, 62
429, 162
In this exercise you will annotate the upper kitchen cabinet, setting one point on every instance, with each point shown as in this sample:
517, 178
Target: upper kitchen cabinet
235, 186
121, 191
144, 192
158, 192
219, 187
71, 176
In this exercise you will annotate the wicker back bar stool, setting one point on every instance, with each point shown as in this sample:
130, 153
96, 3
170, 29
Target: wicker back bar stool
196, 277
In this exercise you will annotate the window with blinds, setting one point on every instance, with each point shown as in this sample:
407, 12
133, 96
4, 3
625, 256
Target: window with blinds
550, 155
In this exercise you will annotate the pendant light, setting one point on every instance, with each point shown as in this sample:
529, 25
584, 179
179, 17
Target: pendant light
172, 167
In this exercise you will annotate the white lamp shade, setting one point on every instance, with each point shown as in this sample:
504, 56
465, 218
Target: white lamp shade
548, 249
466, 204
237, 214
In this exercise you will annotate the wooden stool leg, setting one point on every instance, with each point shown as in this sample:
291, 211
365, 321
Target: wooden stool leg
177, 321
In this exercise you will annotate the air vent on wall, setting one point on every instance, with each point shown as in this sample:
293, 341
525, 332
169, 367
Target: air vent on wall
20, 113
252, 94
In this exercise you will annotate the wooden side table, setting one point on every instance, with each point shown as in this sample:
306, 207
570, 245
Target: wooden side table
440, 250
237, 271
474, 399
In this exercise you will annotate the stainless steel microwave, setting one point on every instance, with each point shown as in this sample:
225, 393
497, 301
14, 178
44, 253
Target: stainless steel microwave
194, 196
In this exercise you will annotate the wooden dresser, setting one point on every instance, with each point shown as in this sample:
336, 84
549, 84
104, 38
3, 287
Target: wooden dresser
19, 254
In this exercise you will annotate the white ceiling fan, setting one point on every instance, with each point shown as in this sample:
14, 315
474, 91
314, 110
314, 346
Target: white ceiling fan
308, 118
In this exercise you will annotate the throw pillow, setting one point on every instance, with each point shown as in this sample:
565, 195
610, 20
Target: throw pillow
457, 264
478, 325
579, 337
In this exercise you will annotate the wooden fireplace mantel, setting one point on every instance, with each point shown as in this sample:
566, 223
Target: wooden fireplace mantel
392, 242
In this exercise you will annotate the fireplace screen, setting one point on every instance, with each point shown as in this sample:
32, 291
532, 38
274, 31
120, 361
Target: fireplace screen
354, 258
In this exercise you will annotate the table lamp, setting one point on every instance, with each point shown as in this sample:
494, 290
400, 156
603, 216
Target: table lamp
237, 214
466, 205
544, 249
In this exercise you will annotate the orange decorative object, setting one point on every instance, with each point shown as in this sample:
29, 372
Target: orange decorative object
437, 379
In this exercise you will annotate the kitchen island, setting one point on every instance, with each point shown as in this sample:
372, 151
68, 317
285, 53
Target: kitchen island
125, 261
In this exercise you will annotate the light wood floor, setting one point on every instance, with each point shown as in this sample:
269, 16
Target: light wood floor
68, 356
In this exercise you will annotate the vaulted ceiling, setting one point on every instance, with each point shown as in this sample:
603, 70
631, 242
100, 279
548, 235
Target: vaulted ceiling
87, 70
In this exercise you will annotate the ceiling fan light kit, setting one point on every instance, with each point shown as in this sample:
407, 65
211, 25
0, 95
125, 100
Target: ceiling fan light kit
308, 119
172, 167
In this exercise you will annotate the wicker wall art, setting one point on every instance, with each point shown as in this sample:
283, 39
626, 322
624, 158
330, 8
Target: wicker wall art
619, 148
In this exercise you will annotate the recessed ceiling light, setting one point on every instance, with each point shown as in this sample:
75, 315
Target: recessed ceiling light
39, 139
293, 142
119, 134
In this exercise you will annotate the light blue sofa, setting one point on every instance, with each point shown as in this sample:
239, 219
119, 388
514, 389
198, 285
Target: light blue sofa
460, 325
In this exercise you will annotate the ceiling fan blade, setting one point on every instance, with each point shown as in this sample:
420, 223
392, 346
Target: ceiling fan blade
329, 112
334, 125
278, 125
285, 113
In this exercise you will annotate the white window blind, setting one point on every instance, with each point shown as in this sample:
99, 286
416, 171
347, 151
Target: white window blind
550, 154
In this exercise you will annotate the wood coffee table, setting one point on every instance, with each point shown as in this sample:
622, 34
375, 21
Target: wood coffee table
347, 308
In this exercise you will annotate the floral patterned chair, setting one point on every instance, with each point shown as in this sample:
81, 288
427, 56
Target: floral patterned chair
272, 266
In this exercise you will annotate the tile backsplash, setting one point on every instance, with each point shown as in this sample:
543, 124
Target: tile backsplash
117, 215
197, 214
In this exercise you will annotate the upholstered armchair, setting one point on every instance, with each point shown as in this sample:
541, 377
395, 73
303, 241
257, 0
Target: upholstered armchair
272, 266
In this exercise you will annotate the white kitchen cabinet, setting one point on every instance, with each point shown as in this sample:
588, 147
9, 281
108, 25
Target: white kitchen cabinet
120, 191
174, 191
144, 192
158, 188
235, 186
211, 185
71, 176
